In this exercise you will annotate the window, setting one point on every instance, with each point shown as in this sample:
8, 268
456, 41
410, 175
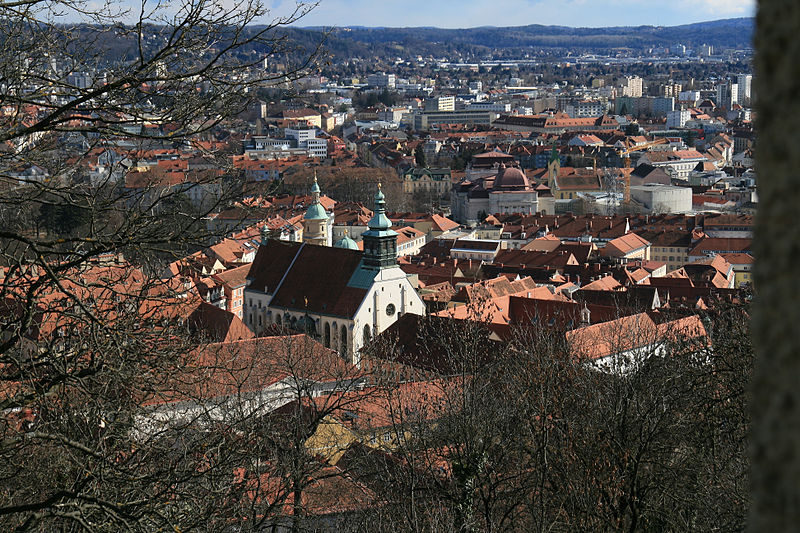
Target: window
387, 437
390, 310
343, 339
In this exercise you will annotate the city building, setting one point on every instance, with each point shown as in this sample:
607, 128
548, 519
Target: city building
632, 86
678, 118
340, 296
425, 120
440, 103
660, 198
727, 95
382, 80
433, 180
507, 191
745, 82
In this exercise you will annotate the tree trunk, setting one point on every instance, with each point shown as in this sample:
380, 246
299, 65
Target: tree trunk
776, 397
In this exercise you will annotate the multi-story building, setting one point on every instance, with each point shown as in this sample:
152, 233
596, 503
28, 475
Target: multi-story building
662, 105
425, 120
440, 103
489, 106
677, 163
585, 108
678, 118
233, 282
382, 80
433, 180
727, 95
507, 191
632, 86
298, 141
745, 82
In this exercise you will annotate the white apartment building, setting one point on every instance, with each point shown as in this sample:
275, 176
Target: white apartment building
632, 86
677, 119
382, 80
745, 82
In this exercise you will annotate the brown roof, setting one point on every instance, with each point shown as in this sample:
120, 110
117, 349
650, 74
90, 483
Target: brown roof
474, 244
721, 245
235, 277
217, 325
270, 264
308, 277
612, 337
624, 245
441, 223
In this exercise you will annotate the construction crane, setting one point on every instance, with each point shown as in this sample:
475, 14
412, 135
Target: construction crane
624, 155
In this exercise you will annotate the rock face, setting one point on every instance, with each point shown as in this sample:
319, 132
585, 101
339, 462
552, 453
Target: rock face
776, 396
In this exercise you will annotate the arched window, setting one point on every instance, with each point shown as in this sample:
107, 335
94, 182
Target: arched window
367, 335
327, 338
343, 339
278, 319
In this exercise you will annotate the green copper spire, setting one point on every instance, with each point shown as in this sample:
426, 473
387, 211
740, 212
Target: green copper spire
315, 210
379, 220
554, 154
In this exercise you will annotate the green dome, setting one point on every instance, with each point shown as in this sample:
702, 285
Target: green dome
315, 212
346, 243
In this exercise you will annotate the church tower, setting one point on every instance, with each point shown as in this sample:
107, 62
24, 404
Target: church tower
316, 220
553, 166
380, 242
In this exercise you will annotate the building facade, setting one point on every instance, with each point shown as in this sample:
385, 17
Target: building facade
340, 296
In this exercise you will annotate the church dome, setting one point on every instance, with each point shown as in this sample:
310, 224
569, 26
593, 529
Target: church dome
511, 178
315, 212
347, 243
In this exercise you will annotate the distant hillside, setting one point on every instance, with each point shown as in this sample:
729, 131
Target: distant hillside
728, 33
345, 43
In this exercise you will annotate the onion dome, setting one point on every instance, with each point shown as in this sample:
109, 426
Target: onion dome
315, 211
379, 221
346, 242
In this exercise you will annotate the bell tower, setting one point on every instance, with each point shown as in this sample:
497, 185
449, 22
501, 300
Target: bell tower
380, 242
315, 221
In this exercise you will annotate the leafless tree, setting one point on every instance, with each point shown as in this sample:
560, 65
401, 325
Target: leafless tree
532, 434
89, 333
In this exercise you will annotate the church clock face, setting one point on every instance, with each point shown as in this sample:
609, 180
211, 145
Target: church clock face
390, 309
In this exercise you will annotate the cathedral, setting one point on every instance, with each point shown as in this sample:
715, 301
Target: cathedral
337, 294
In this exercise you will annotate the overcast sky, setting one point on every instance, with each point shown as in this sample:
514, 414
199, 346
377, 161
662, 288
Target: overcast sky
471, 13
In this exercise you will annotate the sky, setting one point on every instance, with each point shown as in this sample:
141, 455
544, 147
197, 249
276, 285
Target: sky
471, 13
